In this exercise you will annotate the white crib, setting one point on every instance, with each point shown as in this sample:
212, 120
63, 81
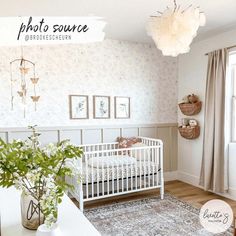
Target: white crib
108, 171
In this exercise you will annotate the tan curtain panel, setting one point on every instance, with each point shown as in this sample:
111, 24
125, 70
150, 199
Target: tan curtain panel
212, 170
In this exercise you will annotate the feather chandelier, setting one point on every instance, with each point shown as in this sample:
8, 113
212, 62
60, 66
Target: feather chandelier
174, 29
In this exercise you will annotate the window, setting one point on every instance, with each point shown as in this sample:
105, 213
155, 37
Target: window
233, 117
231, 94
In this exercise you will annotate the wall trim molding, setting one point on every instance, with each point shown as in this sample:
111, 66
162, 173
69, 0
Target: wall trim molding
190, 179
51, 128
170, 175
91, 134
232, 193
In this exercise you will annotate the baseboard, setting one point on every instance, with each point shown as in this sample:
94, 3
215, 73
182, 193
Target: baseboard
187, 178
172, 175
194, 180
232, 193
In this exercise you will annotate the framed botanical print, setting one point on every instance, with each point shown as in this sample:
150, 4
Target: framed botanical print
101, 107
79, 107
122, 107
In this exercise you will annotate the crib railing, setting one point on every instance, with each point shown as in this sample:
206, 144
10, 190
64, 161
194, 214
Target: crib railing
129, 170
99, 147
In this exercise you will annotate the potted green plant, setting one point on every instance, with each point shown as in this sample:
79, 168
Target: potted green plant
39, 172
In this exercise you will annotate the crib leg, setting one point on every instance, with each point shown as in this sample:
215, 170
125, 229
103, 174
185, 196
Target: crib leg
81, 197
161, 172
81, 201
162, 190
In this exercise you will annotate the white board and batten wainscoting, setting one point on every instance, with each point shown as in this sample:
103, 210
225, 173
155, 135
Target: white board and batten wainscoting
107, 133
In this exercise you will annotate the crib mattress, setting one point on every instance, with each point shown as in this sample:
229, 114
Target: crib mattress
93, 174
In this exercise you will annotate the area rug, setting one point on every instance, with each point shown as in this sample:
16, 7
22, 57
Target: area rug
148, 217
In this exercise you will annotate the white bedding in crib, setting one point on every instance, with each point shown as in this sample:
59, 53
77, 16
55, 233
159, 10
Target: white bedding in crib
109, 161
131, 167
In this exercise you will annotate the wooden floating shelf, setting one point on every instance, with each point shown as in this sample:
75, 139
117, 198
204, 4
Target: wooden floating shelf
190, 133
190, 109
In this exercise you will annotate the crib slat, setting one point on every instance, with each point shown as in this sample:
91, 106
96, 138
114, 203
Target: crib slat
92, 156
117, 179
144, 169
108, 182
161, 173
153, 161
158, 166
127, 176
149, 157
131, 170
97, 180
86, 171
122, 177
117, 176
140, 169
136, 166
103, 175
112, 170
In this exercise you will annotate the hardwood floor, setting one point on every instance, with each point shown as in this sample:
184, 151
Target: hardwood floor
188, 193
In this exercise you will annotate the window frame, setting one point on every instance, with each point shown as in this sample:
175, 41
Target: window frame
233, 103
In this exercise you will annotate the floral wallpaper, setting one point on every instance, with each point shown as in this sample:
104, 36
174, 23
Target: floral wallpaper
114, 68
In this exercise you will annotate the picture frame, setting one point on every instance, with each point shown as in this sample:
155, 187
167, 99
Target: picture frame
79, 107
122, 107
101, 107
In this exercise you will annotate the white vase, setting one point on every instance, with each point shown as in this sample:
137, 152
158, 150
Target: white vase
43, 230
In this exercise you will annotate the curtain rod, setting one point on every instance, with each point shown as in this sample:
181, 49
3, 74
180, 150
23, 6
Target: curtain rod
226, 48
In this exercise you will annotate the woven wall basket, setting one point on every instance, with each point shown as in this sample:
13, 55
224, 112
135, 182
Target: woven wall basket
190, 133
190, 109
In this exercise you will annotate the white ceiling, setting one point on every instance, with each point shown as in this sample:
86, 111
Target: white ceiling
126, 18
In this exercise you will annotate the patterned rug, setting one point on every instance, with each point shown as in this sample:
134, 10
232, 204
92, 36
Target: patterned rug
148, 217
